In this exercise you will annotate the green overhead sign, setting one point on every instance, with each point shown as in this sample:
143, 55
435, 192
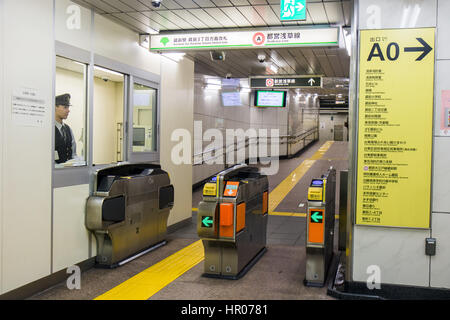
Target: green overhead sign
291, 10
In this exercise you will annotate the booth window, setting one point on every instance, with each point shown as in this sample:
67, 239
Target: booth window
108, 116
144, 118
70, 113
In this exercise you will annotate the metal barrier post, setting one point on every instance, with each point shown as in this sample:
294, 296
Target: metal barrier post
232, 221
343, 175
320, 228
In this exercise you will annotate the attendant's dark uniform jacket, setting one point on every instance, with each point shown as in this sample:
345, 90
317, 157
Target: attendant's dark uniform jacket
63, 145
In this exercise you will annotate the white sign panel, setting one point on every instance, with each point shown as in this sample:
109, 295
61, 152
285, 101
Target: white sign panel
28, 108
231, 99
276, 38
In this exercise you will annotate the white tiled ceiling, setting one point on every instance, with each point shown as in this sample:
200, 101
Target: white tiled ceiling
190, 15
329, 62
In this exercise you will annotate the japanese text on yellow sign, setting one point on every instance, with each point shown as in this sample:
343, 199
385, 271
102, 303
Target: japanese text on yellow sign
395, 127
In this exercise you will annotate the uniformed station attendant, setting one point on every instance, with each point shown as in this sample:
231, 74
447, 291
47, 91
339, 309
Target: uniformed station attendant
65, 146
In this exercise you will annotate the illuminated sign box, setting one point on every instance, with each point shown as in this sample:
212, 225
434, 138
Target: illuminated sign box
285, 82
270, 98
272, 38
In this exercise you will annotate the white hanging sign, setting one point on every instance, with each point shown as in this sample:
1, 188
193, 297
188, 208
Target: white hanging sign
277, 38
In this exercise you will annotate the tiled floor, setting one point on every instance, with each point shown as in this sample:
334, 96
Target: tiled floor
278, 274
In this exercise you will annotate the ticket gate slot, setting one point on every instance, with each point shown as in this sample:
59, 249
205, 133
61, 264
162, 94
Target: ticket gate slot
232, 221
320, 228
128, 211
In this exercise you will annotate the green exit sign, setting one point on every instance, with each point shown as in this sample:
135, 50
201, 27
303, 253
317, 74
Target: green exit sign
292, 10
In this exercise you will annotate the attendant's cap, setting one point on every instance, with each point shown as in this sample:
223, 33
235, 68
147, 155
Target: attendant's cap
63, 100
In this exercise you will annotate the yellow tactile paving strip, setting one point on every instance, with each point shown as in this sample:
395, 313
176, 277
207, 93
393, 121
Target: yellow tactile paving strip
145, 284
148, 282
288, 214
281, 191
322, 150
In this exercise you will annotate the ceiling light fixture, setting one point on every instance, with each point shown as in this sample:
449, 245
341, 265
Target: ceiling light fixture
273, 68
108, 71
213, 87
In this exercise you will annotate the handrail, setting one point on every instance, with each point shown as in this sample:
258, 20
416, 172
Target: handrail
291, 139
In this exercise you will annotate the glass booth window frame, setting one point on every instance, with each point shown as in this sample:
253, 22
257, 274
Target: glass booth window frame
85, 113
73, 175
147, 156
83, 60
126, 106
132, 75
69, 176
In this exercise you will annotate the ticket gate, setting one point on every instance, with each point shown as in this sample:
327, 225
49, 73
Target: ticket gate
128, 211
232, 221
320, 228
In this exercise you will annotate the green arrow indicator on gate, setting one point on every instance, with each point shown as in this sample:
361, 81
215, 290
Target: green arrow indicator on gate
207, 222
316, 217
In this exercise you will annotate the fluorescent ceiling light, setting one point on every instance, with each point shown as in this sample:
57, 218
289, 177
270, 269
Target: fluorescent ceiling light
108, 71
273, 68
79, 63
214, 81
213, 87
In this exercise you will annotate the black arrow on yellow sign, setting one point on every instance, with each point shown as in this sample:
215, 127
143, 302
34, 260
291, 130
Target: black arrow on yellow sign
425, 49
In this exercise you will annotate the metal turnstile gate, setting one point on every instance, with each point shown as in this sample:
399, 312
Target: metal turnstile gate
232, 221
320, 228
128, 211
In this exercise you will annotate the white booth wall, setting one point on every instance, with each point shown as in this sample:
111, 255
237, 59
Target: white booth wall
42, 229
26, 162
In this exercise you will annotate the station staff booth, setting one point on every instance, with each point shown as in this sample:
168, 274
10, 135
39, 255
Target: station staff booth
109, 108
121, 94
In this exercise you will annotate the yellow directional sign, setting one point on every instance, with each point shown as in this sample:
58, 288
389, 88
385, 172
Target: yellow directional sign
396, 76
